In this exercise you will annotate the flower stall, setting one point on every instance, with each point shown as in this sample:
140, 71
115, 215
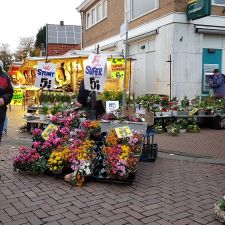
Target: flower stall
77, 149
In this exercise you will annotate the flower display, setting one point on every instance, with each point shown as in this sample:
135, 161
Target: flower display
122, 155
59, 158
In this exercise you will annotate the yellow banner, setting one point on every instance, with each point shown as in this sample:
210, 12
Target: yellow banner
48, 131
117, 66
123, 132
191, 1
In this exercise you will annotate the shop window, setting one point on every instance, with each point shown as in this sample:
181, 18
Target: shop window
218, 2
141, 7
96, 14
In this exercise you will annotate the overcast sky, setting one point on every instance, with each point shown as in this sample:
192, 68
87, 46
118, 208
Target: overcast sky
23, 18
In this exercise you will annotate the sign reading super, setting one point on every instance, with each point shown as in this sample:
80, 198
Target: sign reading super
95, 72
45, 75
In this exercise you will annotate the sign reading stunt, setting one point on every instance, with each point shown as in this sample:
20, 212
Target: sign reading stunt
45, 75
95, 70
123, 132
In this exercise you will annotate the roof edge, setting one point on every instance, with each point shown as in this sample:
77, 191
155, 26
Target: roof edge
84, 5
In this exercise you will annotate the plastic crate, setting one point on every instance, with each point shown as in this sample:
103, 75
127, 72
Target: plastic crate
149, 152
149, 148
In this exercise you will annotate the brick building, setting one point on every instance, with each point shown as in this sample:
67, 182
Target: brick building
62, 38
159, 29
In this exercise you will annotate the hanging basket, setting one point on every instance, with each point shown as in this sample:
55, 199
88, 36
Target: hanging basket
219, 214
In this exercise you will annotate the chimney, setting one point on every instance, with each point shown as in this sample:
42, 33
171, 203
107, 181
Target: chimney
61, 23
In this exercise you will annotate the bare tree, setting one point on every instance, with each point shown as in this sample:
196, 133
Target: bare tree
25, 48
5, 55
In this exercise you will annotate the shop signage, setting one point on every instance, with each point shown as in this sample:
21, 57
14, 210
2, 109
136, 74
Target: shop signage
123, 132
117, 66
198, 8
45, 75
95, 72
112, 106
48, 131
17, 98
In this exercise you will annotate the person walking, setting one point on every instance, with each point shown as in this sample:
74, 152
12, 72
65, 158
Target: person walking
218, 84
6, 94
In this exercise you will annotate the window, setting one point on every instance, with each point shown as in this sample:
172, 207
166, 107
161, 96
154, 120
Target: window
141, 7
99, 12
218, 2
104, 9
89, 23
96, 14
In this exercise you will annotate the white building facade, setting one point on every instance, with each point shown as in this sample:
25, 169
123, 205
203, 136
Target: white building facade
196, 48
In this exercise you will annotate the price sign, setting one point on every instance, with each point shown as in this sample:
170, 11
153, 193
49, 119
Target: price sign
123, 132
94, 77
48, 131
112, 106
17, 98
140, 111
118, 67
193, 111
45, 75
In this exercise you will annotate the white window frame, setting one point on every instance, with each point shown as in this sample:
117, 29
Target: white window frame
131, 10
94, 17
213, 3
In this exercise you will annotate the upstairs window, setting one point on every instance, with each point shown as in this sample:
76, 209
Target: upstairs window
218, 2
141, 7
96, 13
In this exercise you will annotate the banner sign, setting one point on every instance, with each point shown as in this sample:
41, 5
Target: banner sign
112, 106
198, 8
17, 98
45, 75
117, 68
48, 131
95, 72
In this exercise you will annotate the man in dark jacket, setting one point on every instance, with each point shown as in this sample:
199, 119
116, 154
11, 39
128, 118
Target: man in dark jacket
6, 94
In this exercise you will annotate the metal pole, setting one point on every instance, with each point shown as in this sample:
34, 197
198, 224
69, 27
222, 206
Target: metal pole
170, 84
125, 65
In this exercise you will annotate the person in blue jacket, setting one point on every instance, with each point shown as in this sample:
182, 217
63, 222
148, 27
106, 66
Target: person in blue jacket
6, 94
218, 84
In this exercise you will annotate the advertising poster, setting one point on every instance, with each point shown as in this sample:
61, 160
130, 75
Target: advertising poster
117, 68
17, 98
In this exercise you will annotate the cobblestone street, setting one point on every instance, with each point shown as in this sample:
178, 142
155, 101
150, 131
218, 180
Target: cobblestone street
168, 191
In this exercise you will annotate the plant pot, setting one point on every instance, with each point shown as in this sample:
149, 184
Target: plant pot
219, 214
158, 113
42, 117
183, 131
174, 113
166, 113
183, 113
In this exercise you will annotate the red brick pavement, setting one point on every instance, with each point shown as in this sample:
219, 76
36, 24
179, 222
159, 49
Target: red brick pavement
164, 192
207, 143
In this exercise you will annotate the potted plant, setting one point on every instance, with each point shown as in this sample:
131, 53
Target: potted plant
182, 124
173, 129
220, 210
156, 111
43, 111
